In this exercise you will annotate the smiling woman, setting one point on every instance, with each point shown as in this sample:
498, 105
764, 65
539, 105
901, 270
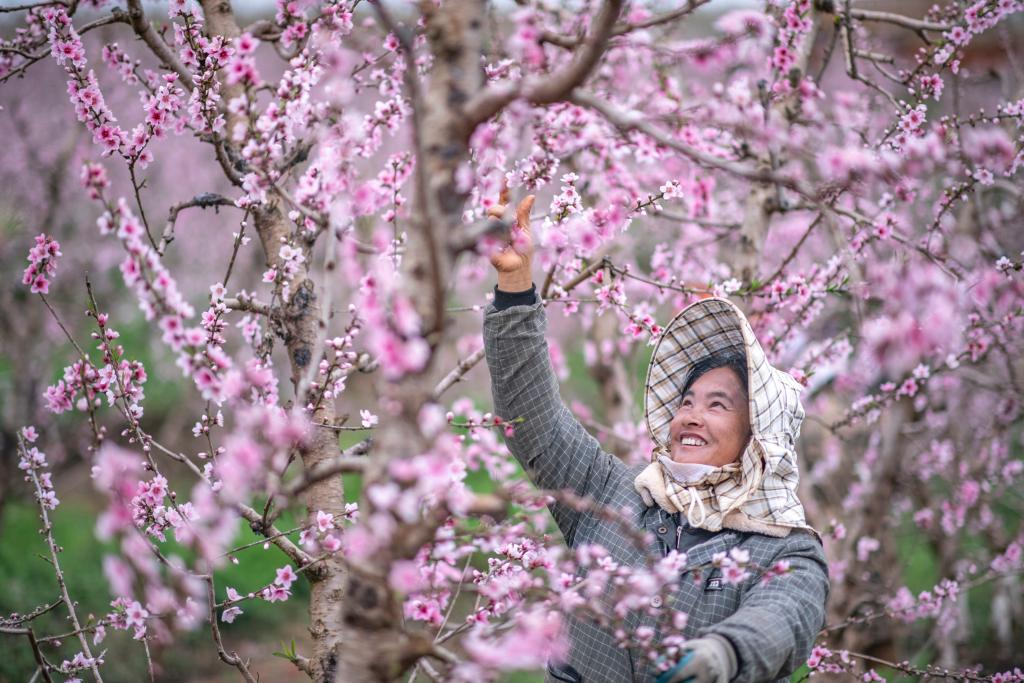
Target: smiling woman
712, 426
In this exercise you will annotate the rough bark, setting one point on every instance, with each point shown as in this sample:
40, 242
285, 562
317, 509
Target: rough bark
299, 324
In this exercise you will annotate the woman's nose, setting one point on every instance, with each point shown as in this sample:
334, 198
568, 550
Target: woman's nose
689, 416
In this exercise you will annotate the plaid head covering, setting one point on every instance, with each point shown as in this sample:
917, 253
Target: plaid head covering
758, 492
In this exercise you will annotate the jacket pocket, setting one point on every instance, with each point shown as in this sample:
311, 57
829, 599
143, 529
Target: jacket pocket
564, 673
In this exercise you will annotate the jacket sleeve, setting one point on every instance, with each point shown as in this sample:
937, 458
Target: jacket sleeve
774, 629
551, 445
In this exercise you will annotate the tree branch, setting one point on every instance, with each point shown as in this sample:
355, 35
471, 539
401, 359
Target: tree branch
34, 5
144, 30
203, 200
249, 304
464, 366
231, 658
623, 28
630, 121
555, 86
116, 17
349, 460
897, 19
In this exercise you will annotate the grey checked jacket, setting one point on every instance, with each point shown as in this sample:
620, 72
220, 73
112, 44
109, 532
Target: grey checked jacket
772, 627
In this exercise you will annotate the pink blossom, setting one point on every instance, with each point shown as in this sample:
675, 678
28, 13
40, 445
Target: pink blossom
734, 574
331, 543
865, 546
424, 609
359, 543
276, 593
42, 264
135, 614
230, 613
536, 636
383, 495
324, 521
286, 576
817, 655
405, 577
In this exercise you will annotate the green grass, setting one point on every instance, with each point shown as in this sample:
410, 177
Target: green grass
30, 582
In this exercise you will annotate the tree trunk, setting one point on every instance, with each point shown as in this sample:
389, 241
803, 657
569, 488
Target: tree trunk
612, 379
876, 637
374, 646
763, 198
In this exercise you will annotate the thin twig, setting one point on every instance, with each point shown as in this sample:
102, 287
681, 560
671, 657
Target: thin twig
796, 249
118, 16
64, 329
457, 373
34, 614
202, 200
33, 5
55, 562
625, 27
149, 659
634, 121
235, 247
231, 658
136, 186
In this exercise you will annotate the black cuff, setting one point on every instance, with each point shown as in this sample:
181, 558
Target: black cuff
503, 300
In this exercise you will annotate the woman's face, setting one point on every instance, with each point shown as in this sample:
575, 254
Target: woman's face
712, 425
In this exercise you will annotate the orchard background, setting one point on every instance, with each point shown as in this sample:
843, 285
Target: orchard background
243, 412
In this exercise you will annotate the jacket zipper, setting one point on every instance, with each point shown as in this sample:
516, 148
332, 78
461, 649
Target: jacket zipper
679, 531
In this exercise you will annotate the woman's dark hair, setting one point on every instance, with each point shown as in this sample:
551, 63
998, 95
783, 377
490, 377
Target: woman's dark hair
734, 362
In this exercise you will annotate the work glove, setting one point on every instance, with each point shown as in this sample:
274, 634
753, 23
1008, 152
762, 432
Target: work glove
710, 659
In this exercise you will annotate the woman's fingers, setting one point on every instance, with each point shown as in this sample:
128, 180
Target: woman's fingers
503, 194
502, 210
523, 212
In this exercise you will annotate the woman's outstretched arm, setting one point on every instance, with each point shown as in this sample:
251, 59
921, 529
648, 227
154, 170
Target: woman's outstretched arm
550, 443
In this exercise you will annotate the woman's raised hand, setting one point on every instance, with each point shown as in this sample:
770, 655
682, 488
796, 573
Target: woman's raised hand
513, 262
